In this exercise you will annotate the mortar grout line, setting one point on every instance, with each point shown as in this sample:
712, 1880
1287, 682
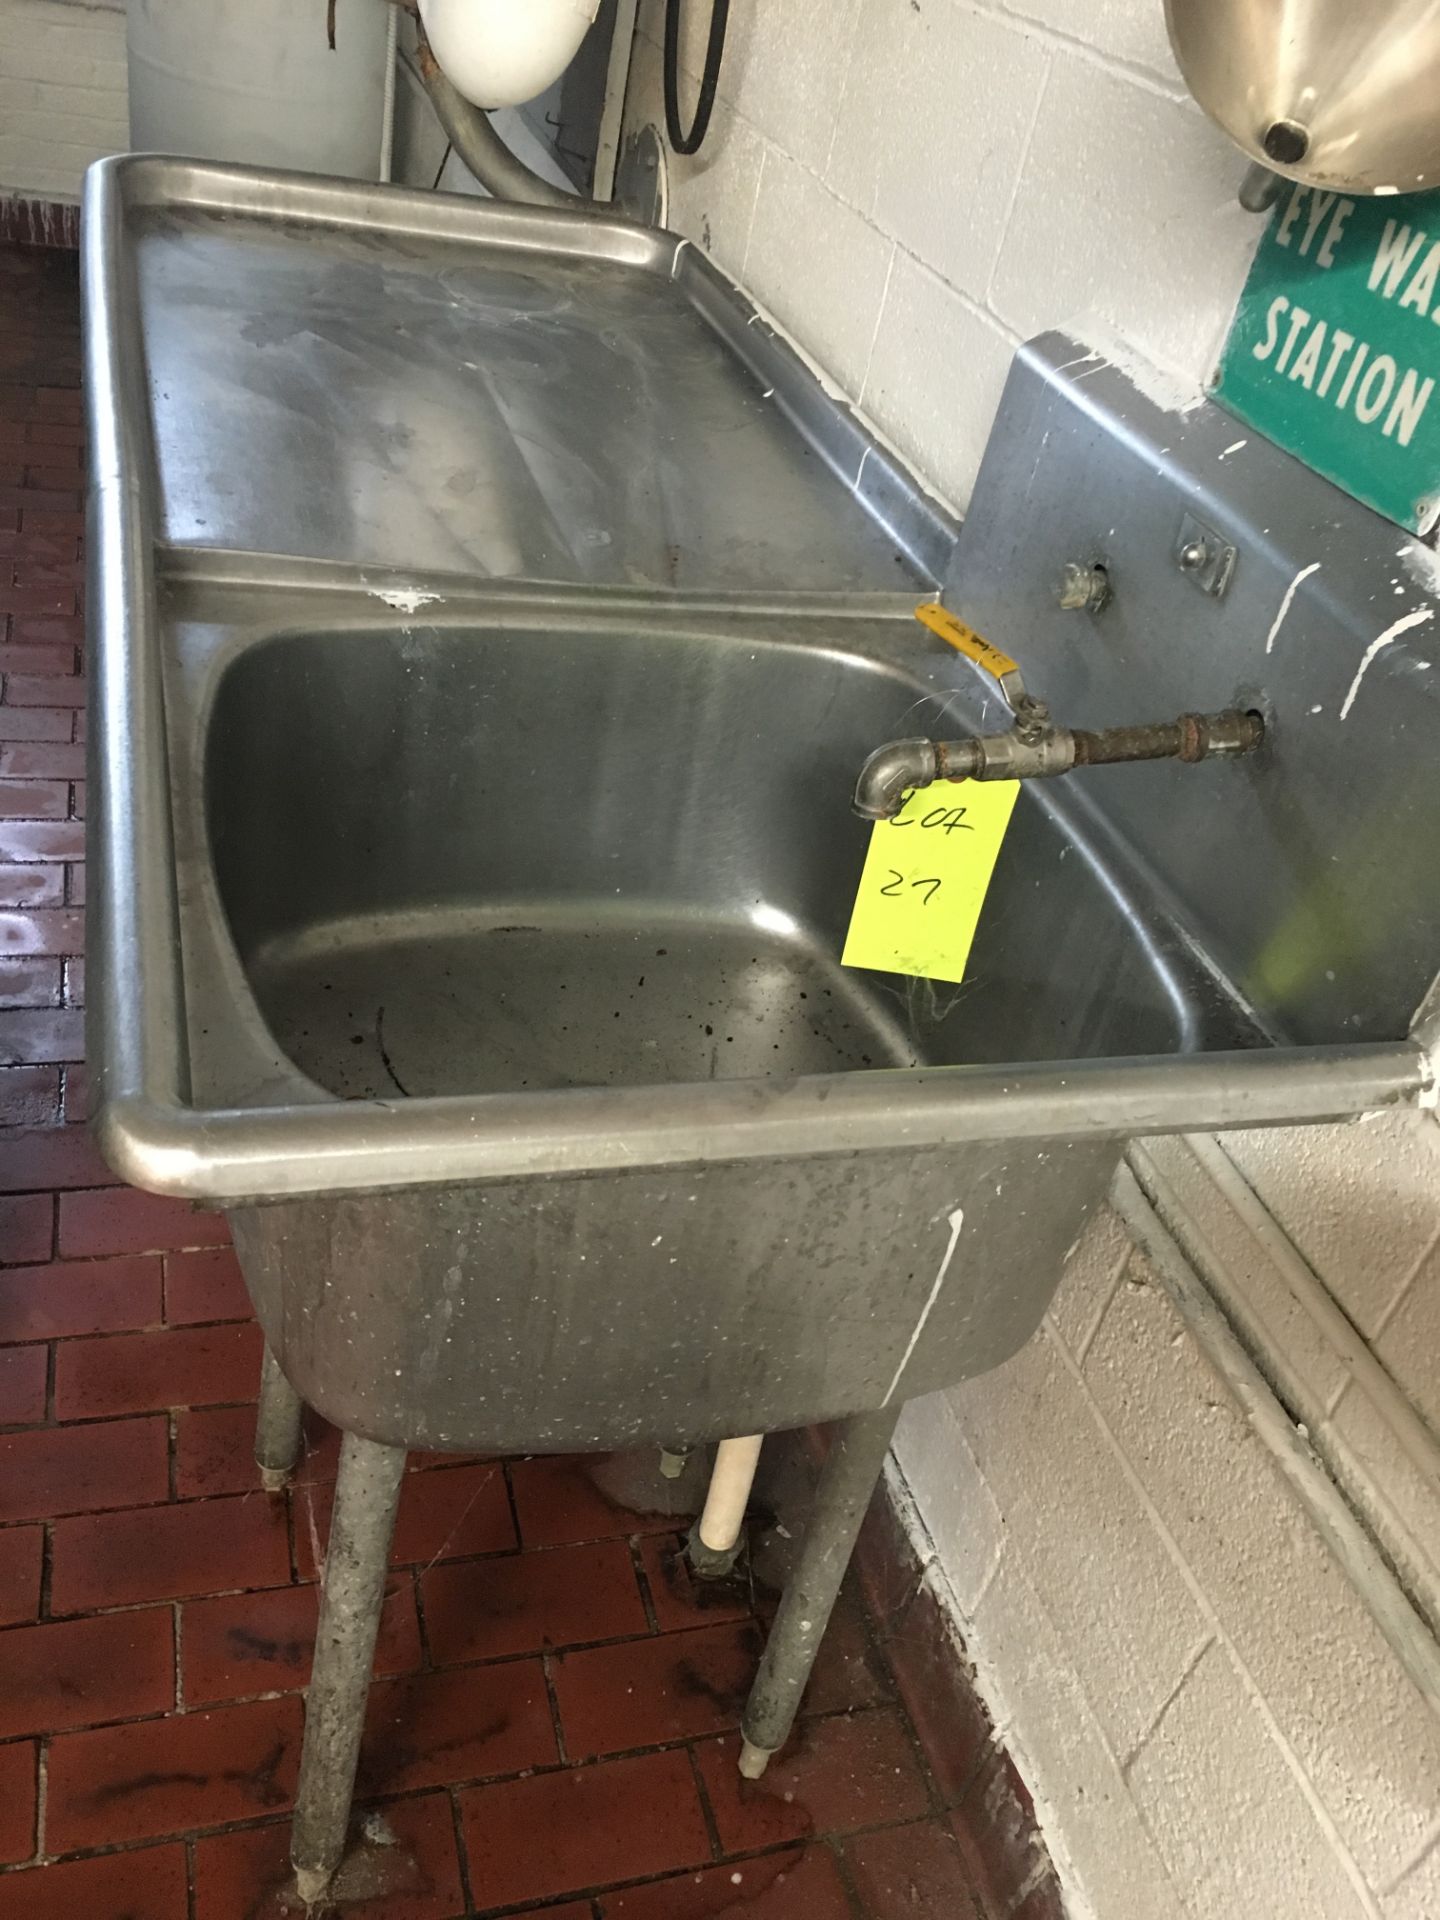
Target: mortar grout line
42, 1794
462, 1852
1187, 1667
1428, 1846
47, 1556
557, 1725
1405, 1290
834, 1845
712, 1824
642, 1581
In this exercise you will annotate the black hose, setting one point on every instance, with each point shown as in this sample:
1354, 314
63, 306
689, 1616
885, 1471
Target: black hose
680, 140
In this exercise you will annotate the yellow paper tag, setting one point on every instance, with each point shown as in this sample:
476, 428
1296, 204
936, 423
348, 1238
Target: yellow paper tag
955, 633
926, 877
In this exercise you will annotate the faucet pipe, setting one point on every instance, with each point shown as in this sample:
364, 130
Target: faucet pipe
895, 771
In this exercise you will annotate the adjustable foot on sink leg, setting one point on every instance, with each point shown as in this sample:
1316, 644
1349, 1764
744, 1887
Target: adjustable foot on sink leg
312, 1885
857, 1455
367, 1494
277, 1426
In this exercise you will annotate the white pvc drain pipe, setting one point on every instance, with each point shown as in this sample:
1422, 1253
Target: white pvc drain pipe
730, 1484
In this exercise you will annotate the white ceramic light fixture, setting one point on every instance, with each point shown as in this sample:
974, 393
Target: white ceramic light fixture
499, 53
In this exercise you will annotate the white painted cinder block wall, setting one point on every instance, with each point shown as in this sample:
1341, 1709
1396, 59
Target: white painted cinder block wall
1211, 1721
912, 187
62, 93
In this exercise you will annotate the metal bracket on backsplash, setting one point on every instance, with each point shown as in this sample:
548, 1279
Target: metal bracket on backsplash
1205, 556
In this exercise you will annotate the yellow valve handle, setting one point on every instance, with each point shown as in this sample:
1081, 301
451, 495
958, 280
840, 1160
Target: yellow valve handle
964, 639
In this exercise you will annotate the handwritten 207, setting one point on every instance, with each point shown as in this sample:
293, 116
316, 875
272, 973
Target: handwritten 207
946, 820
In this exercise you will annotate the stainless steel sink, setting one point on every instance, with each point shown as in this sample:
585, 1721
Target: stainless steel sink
467, 925
475, 941
508, 1007
559, 891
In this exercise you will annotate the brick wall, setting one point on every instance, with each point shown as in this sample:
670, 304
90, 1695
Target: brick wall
62, 93
1200, 1698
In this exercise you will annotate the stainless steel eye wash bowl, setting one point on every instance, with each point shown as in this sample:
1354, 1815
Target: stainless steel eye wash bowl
490, 616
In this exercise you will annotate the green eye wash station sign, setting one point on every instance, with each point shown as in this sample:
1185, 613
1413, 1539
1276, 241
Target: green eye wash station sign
1335, 350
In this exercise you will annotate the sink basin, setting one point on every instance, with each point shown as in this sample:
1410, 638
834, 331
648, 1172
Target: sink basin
460, 860
471, 934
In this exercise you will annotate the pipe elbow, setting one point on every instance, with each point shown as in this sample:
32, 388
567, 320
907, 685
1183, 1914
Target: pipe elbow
890, 773
480, 148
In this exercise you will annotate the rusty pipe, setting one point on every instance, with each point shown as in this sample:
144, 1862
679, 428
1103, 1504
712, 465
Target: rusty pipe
894, 772
1192, 738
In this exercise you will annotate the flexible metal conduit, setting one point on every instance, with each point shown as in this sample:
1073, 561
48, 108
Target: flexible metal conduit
481, 149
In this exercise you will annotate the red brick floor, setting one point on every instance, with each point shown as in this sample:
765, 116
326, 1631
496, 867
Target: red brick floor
553, 1725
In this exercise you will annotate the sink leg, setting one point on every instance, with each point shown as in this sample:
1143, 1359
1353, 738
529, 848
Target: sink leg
366, 1497
277, 1428
857, 1455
